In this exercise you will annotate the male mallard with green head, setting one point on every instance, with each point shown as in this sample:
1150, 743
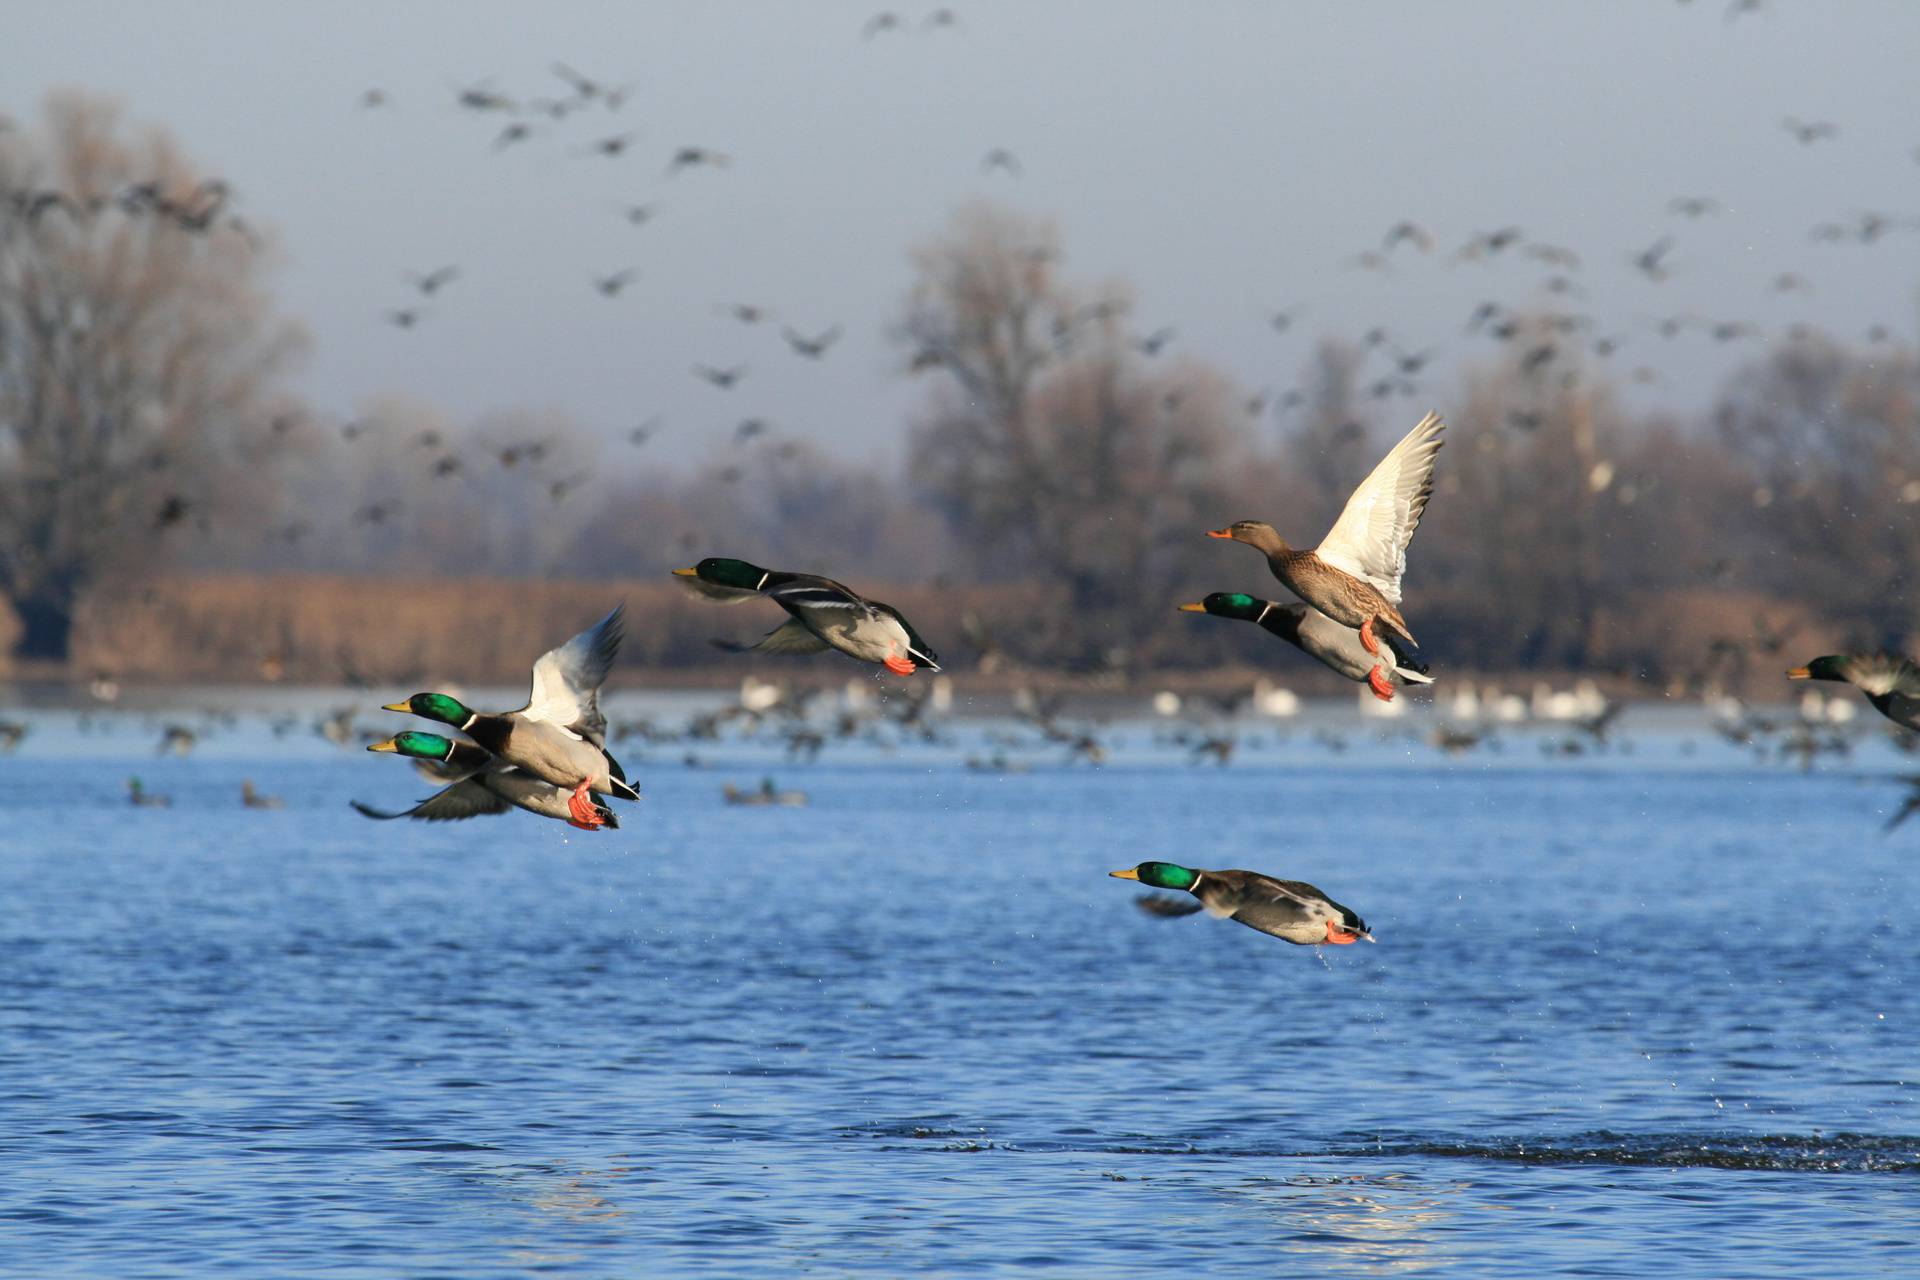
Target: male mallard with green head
1891, 682
1318, 636
481, 783
1290, 910
560, 736
825, 615
1353, 576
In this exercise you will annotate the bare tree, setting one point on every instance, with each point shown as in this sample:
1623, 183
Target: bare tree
138, 360
1054, 453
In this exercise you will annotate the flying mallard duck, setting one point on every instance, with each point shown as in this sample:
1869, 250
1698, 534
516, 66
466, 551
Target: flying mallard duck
481, 783
1288, 909
826, 615
1319, 636
1353, 576
559, 737
1891, 682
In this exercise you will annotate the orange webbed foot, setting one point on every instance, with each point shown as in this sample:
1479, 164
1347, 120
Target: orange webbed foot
1381, 686
586, 814
898, 665
1366, 637
1340, 937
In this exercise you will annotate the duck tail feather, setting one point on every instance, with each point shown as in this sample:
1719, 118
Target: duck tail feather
1406, 657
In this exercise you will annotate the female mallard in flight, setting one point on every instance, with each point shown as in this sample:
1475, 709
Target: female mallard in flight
559, 737
1288, 909
1318, 636
1891, 682
826, 615
1353, 576
480, 783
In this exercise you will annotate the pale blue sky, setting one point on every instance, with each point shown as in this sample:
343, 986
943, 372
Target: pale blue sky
1224, 157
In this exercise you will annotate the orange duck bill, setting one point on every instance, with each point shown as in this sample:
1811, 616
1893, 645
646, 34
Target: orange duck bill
1220, 533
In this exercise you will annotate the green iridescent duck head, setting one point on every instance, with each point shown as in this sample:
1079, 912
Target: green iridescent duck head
1227, 604
419, 746
720, 571
1832, 667
1160, 875
434, 706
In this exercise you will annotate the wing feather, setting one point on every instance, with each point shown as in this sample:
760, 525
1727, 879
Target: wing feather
1370, 538
567, 680
804, 591
1878, 674
466, 798
790, 637
1293, 891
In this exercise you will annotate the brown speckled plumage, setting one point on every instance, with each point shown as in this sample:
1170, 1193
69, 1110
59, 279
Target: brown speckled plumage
1348, 600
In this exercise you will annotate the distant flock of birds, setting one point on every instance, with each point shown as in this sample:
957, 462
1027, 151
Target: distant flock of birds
1652, 262
1546, 342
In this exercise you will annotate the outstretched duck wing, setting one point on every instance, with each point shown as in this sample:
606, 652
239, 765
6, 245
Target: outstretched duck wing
567, 680
1225, 892
1309, 901
464, 799
790, 636
1160, 904
1878, 674
1370, 538
798, 593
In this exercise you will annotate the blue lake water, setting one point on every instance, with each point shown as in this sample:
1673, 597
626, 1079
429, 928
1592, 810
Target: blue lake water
1644, 1011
